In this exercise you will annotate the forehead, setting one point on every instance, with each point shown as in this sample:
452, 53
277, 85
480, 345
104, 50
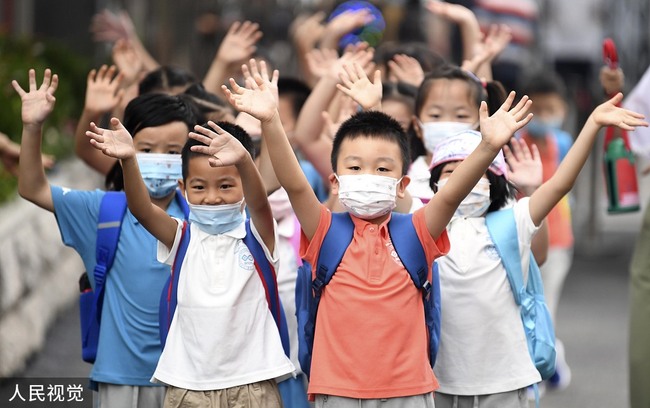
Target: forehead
547, 101
199, 168
170, 133
449, 92
369, 148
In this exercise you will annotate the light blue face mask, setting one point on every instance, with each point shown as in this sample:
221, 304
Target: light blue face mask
540, 128
160, 172
216, 219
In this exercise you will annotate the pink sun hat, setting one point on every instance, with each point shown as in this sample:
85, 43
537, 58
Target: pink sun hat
459, 146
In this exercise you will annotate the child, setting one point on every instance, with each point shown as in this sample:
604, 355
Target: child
483, 357
447, 103
364, 347
129, 343
223, 347
545, 131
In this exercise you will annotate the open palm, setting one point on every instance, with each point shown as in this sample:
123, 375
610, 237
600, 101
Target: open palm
609, 114
497, 129
258, 101
116, 143
221, 146
38, 103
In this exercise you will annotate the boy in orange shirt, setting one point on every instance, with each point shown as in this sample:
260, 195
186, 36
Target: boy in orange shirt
371, 340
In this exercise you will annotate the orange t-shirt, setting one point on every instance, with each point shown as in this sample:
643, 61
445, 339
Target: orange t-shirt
371, 339
560, 231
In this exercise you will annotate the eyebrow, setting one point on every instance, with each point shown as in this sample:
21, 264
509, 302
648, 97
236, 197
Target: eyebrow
379, 159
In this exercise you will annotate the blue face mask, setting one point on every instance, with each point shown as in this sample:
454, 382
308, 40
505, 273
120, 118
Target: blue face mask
216, 219
160, 173
537, 129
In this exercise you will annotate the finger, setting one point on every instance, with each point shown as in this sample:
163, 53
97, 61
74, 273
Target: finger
233, 28
91, 76
520, 114
246, 72
235, 87
276, 77
47, 77
377, 79
215, 161
199, 137
200, 149
483, 111
509, 156
616, 99
53, 85
110, 73
515, 149
535, 151
101, 72
345, 90
508, 102
18, 88
345, 80
358, 71
264, 71
254, 69
217, 129
207, 132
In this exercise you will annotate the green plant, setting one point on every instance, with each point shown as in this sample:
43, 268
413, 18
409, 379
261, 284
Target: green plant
17, 56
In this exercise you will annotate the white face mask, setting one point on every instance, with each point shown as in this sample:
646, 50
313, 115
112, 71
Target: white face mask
367, 196
216, 219
280, 204
477, 201
435, 132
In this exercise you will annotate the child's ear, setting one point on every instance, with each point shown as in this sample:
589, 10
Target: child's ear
416, 127
181, 186
334, 184
401, 186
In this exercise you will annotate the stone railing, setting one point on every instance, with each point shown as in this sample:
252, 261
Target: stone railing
38, 274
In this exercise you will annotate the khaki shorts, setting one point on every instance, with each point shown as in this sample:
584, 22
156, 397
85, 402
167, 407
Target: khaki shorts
262, 394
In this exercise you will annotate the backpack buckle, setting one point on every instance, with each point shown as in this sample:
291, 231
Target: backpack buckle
426, 288
317, 285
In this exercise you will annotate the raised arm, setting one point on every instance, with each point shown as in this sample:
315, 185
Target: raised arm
102, 96
37, 104
260, 102
470, 30
224, 150
118, 144
356, 84
496, 131
607, 114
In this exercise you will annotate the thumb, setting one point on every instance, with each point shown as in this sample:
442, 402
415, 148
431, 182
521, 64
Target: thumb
616, 99
483, 111
116, 124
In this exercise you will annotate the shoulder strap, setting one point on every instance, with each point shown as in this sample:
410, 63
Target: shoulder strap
109, 224
269, 279
182, 203
169, 305
503, 230
336, 242
409, 249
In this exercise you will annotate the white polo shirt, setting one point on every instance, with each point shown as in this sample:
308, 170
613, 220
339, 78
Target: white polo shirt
483, 348
223, 334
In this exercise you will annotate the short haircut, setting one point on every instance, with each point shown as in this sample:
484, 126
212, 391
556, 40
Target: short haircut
152, 110
208, 102
372, 124
165, 78
501, 190
296, 90
236, 131
542, 83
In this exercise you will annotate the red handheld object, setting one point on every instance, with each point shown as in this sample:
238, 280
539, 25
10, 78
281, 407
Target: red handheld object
610, 56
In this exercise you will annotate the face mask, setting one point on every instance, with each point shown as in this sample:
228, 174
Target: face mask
367, 196
540, 128
280, 204
435, 132
477, 201
160, 172
216, 219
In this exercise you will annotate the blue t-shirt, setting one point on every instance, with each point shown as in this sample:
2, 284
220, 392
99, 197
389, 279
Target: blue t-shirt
129, 341
315, 180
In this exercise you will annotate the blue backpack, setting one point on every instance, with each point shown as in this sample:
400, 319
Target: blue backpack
336, 242
109, 224
535, 315
265, 270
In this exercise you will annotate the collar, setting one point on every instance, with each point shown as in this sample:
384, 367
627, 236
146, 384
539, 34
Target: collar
362, 225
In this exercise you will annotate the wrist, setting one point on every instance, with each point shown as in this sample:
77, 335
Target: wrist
32, 126
273, 118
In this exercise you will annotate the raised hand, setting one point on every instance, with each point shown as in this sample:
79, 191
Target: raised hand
38, 103
525, 166
109, 26
306, 31
257, 99
271, 81
127, 60
221, 146
497, 129
117, 143
357, 85
451, 12
239, 43
609, 114
404, 68
612, 80
102, 89
321, 61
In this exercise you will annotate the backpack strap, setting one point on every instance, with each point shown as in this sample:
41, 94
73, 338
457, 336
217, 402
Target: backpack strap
502, 228
109, 224
169, 295
336, 242
269, 279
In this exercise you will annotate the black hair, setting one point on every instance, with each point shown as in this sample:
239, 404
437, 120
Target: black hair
501, 190
296, 90
152, 110
491, 92
236, 131
165, 78
372, 124
209, 104
544, 82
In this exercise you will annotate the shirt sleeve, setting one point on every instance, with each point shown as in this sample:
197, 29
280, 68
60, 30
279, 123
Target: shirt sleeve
309, 250
433, 248
76, 213
273, 257
526, 229
167, 255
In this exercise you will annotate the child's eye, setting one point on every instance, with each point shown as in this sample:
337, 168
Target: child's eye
145, 150
197, 188
173, 152
226, 186
354, 168
383, 169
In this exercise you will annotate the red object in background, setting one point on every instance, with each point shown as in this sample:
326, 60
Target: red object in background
619, 167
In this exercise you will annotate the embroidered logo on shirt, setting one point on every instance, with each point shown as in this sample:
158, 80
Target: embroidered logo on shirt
393, 253
491, 252
244, 257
